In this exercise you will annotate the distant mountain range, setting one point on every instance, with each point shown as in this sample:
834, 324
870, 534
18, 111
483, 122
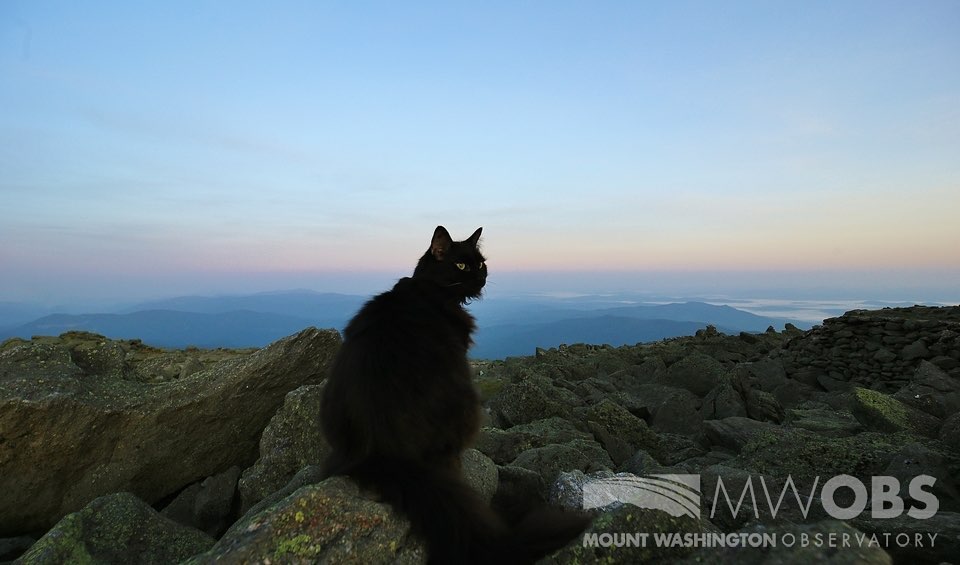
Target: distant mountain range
508, 327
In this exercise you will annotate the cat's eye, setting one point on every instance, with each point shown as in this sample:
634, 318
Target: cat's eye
461, 266
483, 265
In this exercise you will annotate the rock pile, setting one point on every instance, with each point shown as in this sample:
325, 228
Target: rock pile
221, 465
876, 349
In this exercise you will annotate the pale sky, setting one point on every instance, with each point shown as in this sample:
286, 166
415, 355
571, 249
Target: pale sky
196, 146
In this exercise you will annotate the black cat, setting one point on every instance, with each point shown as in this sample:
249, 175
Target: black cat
399, 407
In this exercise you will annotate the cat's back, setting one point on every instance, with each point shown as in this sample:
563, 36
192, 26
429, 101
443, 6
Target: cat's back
411, 311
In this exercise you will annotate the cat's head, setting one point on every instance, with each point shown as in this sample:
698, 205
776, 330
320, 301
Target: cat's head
455, 265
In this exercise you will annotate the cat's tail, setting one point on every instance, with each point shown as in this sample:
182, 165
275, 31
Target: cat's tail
455, 522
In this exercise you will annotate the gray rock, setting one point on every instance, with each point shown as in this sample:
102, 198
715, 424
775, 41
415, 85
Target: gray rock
824, 421
68, 441
191, 366
530, 399
673, 410
696, 372
210, 506
914, 460
931, 390
329, 522
642, 463
883, 413
916, 350
291, 441
549, 461
309, 475
735, 432
620, 432
723, 401
480, 473
518, 491
118, 528
950, 432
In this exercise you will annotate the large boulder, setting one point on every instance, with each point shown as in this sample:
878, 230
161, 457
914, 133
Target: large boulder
329, 522
883, 413
528, 399
118, 528
68, 436
696, 372
620, 432
210, 505
549, 461
291, 441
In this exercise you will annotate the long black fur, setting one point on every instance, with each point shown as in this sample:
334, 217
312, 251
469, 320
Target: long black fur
399, 407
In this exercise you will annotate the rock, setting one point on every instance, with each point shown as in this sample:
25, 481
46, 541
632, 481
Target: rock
190, 366
931, 390
762, 406
66, 441
480, 473
831, 384
530, 399
310, 475
916, 350
673, 410
117, 528
291, 441
620, 432
696, 372
735, 432
723, 401
519, 490
805, 455
677, 448
209, 506
914, 460
642, 463
826, 422
950, 432
880, 412
653, 370
549, 461
945, 363
797, 552
503, 446
330, 522
884, 356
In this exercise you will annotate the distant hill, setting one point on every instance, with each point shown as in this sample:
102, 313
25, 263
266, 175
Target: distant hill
325, 309
166, 328
510, 326
522, 339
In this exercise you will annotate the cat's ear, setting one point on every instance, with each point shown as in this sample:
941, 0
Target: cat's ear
475, 238
440, 243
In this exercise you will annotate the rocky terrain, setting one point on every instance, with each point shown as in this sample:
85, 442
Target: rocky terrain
116, 452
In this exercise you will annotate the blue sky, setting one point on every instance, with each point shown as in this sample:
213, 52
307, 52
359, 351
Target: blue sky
177, 147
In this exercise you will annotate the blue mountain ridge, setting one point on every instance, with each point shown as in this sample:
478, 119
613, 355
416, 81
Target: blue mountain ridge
514, 327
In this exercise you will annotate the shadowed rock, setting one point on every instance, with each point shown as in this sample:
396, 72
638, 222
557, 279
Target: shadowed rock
67, 436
